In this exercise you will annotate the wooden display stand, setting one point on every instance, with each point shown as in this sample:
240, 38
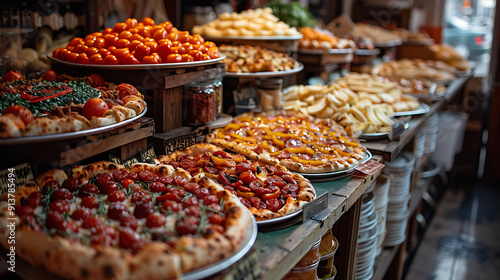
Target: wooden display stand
130, 139
323, 64
166, 84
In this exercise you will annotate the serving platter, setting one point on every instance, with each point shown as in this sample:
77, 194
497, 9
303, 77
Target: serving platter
254, 38
69, 135
28, 271
265, 74
365, 52
279, 220
432, 96
141, 66
329, 51
387, 44
214, 268
422, 109
336, 174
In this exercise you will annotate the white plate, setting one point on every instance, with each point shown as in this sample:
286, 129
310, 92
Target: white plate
140, 66
422, 109
335, 173
69, 135
255, 38
265, 74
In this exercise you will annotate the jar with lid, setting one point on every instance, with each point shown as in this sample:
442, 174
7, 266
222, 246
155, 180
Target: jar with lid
198, 103
218, 95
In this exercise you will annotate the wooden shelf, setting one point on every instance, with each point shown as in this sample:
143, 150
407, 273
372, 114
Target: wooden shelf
383, 262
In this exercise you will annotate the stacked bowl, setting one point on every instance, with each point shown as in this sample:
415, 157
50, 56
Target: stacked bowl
418, 148
367, 238
399, 195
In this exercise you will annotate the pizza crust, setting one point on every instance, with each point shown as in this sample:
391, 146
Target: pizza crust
85, 172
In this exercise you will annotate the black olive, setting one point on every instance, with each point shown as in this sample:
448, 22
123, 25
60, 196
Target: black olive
259, 169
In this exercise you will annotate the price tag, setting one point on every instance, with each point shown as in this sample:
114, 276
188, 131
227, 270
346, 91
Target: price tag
341, 26
247, 268
314, 207
245, 100
370, 167
180, 143
22, 172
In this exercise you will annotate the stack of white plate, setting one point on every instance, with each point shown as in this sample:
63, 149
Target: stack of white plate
418, 148
381, 192
367, 238
431, 127
399, 196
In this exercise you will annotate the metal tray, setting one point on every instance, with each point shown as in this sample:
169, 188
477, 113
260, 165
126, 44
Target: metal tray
433, 97
374, 136
141, 66
423, 109
336, 174
279, 220
254, 38
209, 270
330, 51
387, 44
69, 135
365, 52
265, 74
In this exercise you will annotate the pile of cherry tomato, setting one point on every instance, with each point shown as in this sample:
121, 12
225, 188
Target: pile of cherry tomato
133, 42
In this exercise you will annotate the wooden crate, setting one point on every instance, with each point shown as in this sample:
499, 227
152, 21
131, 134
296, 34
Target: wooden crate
130, 139
165, 104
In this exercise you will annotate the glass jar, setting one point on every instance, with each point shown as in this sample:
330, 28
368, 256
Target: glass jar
198, 103
303, 273
218, 95
311, 257
327, 243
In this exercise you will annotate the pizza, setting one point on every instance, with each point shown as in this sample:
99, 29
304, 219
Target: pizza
296, 141
269, 191
107, 222
63, 104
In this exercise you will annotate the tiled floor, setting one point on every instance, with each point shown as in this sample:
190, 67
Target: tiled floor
463, 239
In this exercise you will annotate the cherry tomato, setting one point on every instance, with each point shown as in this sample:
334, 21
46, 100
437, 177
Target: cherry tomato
71, 184
89, 42
145, 31
126, 182
209, 44
125, 35
216, 219
100, 43
96, 59
116, 210
141, 51
110, 40
128, 221
13, 76
83, 59
104, 52
168, 26
187, 58
148, 21
81, 48
129, 239
111, 60
198, 38
80, 214
120, 54
120, 174
122, 43
133, 30
205, 57
107, 31
120, 26
94, 107
91, 51
75, 41
152, 46
188, 225
160, 34
131, 22
57, 53
197, 55
133, 45
155, 220
174, 58
96, 80
130, 59
164, 50
213, 52
137, 37
172, 36
50, 76
183, 37
72, 57
90, 37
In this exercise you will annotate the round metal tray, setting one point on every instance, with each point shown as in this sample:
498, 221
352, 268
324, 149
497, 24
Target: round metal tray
365, 52
374, 136
433, 97
387, 44
209, 270
279, 220
69, 135
255, 38
329, 51
140, 66
423, 109
336, 174
265, 74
